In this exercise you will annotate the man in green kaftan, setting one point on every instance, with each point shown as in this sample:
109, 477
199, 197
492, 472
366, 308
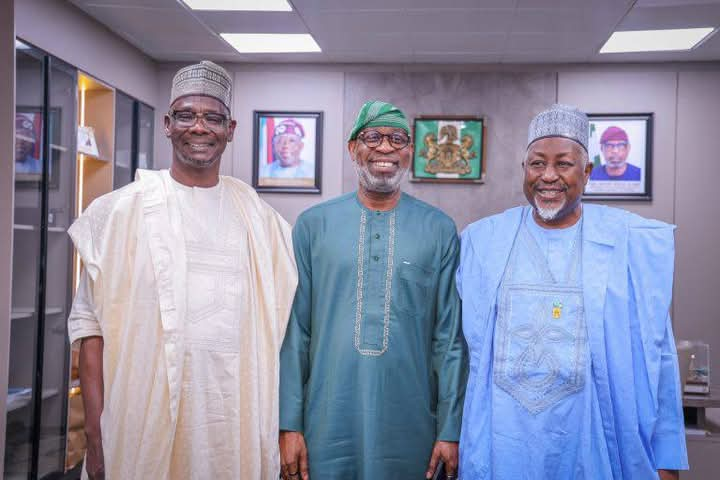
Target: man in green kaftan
373, 366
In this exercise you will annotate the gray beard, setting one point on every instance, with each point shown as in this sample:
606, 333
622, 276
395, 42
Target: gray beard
192, 163
381, 184
548, 214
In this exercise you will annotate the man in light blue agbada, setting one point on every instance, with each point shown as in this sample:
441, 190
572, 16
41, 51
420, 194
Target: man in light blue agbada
373, 366
573, 368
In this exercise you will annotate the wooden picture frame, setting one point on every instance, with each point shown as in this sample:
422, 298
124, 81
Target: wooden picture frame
620, 148
287, 151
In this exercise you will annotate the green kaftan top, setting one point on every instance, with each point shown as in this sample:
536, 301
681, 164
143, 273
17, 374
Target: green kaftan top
374, 364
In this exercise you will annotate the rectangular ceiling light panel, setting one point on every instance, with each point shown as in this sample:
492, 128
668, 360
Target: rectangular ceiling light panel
271, 42
655, 40
240, 5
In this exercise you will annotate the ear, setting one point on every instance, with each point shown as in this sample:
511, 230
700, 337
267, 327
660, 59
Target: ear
231, 130
588, 170
166, 121
352, 145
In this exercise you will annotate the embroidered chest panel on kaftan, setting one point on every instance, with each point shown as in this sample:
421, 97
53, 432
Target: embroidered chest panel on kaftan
540, 339
217, 265
375, 260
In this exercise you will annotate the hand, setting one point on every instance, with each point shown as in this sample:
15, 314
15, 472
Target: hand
94, 459
293, 456
668, 474
448, 453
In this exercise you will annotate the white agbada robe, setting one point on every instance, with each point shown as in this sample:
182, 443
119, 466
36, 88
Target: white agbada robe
223, 386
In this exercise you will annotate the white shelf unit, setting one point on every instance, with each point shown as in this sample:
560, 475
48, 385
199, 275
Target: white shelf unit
19, 313
16, 401
32, 228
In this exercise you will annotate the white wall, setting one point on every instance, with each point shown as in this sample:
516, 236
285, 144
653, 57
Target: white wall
7, 188
63, 30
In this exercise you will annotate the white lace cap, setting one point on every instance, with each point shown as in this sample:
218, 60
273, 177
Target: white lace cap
205, 78
560, 121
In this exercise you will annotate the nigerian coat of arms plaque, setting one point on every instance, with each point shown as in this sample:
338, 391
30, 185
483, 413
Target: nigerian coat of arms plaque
448, 149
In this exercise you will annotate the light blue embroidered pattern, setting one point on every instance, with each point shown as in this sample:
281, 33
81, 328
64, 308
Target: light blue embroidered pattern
538, 359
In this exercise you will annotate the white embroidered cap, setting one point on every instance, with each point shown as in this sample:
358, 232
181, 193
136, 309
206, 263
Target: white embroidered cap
560, 121
205, 78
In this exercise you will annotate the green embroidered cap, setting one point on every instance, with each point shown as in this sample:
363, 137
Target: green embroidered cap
379, 114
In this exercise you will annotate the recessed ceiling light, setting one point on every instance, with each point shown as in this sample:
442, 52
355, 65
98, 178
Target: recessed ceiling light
655, 40
240, 5
271, 42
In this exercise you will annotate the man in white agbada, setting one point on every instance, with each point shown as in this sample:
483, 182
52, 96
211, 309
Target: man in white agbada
183, 301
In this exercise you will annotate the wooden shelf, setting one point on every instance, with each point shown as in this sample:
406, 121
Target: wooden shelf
98, 159
97, 110
711, 400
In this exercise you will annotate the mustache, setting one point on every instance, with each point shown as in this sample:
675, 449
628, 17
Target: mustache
541, 185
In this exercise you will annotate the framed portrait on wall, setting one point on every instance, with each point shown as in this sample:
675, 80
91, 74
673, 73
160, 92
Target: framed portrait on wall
448, 149
29, 148
287, 151
620, 149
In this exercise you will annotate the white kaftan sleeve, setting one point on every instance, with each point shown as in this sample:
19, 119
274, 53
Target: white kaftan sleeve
82, 321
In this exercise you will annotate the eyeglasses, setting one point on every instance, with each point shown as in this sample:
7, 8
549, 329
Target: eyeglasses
374, 139
615, 146
187, 119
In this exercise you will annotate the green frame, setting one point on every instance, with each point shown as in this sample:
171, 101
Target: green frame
459, 157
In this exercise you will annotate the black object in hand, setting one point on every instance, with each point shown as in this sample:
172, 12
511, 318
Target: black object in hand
440, 472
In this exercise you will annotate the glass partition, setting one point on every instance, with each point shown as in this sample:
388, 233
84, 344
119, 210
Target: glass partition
133, 138
42, 265
124, 139
27, 234
58, 259
146, 132
53, 184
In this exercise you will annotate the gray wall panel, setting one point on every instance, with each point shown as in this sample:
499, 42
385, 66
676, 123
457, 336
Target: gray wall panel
697, 268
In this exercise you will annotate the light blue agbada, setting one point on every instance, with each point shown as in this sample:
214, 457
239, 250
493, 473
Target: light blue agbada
576, 379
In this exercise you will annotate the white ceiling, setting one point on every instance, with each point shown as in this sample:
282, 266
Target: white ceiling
413, 31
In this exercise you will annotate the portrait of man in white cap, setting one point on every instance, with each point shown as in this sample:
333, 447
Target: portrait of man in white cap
288, 143
573, 371
187, 283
